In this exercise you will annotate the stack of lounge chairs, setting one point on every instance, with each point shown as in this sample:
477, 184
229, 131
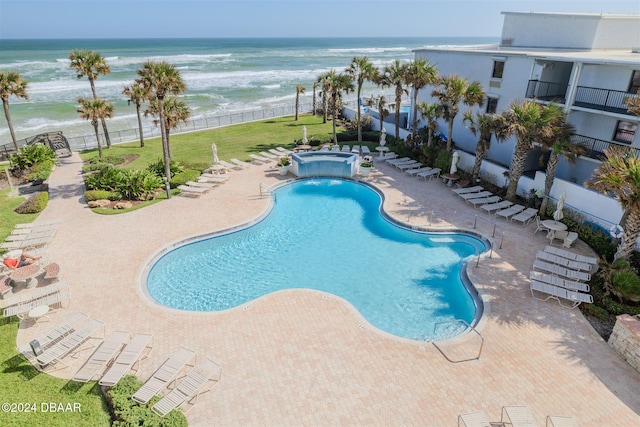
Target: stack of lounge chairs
30, 235
560, 275
412, 167
54, 296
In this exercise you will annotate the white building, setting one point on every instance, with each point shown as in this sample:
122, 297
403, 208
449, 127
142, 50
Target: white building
588, 63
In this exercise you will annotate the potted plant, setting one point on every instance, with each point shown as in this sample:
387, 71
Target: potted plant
283, 165
365, 168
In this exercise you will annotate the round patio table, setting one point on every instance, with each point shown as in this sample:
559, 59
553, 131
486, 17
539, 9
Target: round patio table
38, 312
382, 149
553, 226
26, 274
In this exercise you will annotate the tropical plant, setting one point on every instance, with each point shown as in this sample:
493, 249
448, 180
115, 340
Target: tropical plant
619, 176
176, 111
324, 85
158, 80
94, 110
559, 145
483, 126
395, 75
382, 111
136, 94
29, 155
315, 88
530, 122
284, 161
453, 91
621, 280
299, 90
420, 73
91, 64
335, 84
430, 111
634, 104
12, 84
361, 69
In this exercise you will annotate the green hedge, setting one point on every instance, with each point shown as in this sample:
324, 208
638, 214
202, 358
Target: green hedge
40, 171
182, 177
93, 195
129, 413
35, 204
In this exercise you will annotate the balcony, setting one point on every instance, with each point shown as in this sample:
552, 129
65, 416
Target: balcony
594, 148
547, 91
613, 101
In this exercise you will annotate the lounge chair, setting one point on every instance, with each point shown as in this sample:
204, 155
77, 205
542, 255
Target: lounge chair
525, 216
412, 165
394, 160
56, 298
558, 421
559, 281
188, 189
474, 189
55, 334
474, 419
540, 226
259, 158
478, 195
564, 262
284, 150
208, 185
69, 343
208, 177
355, 149
101, 357
26, 296
389, 156
165, 375
517, 416
510, 211
492, 207
571, 255
414, 172
345, 148
240, 163
484, 200
228, 165
433, 173
325, 147
189, 388
559, 293
335, 148
269, 155
558, 270
138, 348
365, 150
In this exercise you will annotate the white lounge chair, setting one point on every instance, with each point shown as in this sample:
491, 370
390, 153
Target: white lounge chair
355, 149
433, 173
559, 293
198, 184
365, 150
165, 375
540, 226
209, 177
189, 189
55, 299
227, 165
571, 255
392, 161
101, 357
389, 156
284, 150
560, 421
564, 262
517, 416
474, 189
525, 216
335, 148
32, 294
510, 211
240, 163
474, 419
478, 195
484, 200
269, 155
561, 271
55, 334
345, 149
259, 158
138, 348
409, 165
69, 343
414, 172
559, 281
187, 391
492, 207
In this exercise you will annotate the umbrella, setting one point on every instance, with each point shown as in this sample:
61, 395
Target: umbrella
383, 136
304, 134
215, 153
454, 163
558, 215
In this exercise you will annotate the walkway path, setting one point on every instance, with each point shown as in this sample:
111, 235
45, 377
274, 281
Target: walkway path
296, 357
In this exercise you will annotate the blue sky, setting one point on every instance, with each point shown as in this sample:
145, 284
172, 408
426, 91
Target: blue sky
269, 18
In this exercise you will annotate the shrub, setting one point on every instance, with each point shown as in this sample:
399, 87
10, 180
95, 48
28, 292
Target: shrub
182, 177
130, 185
158, 168
284, 161
40, 171
443, 161
129, 413
109, 179
93, 195
29, 155
35, 204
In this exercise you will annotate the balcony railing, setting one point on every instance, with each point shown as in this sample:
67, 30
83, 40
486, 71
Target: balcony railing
603, 99
595, 147
547, 91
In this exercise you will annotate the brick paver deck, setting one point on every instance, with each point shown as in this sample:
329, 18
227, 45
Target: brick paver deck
303, 358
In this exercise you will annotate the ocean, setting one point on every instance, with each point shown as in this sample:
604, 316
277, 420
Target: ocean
222, 76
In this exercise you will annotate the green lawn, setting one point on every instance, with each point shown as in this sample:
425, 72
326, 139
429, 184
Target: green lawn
8, 218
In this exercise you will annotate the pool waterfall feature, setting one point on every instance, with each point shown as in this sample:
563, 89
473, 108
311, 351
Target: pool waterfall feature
324, 163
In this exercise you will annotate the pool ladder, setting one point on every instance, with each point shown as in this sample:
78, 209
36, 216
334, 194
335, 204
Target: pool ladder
265, 190
468, 326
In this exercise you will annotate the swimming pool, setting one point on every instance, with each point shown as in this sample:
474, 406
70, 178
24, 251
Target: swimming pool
329, 235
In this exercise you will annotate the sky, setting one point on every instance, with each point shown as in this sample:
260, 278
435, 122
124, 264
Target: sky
274, 18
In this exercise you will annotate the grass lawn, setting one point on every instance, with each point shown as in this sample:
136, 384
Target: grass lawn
22, 384
8, 218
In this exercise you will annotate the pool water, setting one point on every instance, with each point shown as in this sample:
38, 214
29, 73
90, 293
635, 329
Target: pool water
328, 234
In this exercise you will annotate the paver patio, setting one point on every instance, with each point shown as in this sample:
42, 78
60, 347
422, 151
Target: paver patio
307, 358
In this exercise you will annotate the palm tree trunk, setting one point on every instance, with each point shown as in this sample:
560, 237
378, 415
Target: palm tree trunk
297, 105
95, 128
358, 115
5, 105
165, 146
104, 123
450, 134
630, 236
398, 101
324, 108
140, 124
516, 169
314, 101
414, 125
481, 148
333, 119
552, 165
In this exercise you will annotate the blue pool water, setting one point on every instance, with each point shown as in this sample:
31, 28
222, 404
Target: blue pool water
328, 234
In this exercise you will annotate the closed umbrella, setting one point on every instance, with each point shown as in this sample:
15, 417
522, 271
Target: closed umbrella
454, 163
304, 134
383, 137
214, 148
558, 215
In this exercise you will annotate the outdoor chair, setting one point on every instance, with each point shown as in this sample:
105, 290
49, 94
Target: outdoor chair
473, 419
478, 195
571, 255
540, 226
414, 172
474, 189
137, 349
558, 235
165, 375
492, 207
558, 421
570, 239
559, 281
561, 271
525, 216
510, 211
517, 416
433, 173
101, 357
559, 294
69, 343
484, 200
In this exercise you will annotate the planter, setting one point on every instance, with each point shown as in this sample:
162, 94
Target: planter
283, 170
365, 171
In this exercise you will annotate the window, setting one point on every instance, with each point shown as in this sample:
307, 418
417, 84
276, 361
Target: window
634, 85
625, 131
492, 105
498, 68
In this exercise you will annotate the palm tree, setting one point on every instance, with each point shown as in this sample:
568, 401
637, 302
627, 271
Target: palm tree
91, 64
634, 104
158, 80
483, 126
335, 85
395, 74
299, 90
530, 122
176, 111
421, 73
315, 87
94, 110
136, 94
12, 83
382, 111
324, 84
360, 70
456, 89
619, 176
430, 112
559, 145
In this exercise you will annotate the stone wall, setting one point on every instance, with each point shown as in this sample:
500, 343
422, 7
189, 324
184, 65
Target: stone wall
625, 339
